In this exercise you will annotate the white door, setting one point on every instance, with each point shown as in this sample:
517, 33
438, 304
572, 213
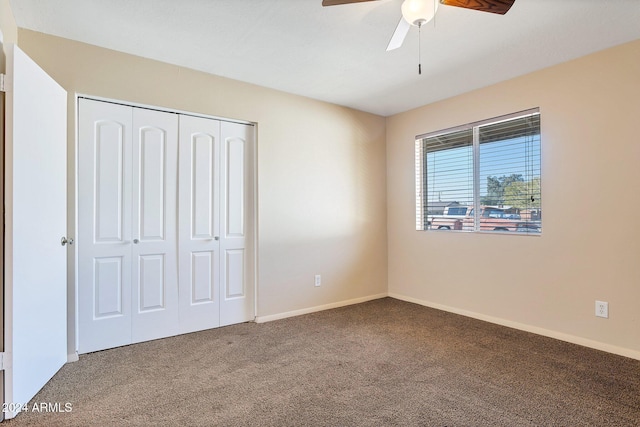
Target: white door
36, 216
127, 272
199, 206
236, 224
154, 257
216, 223
155, 261
104, 225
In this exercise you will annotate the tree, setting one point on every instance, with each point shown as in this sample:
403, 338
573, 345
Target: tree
495, 192
523, 195
496, 188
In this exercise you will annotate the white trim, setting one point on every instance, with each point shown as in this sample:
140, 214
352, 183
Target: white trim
76, 195
278, 316
476, 179
72, 357
621, 351
255, 222
163, 109
493, 120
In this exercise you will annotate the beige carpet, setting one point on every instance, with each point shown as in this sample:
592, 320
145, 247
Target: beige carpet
380, 363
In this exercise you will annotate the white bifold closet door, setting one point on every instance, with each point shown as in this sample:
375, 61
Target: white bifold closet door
216, 200
199, 223
165, 243
128, 280
154, 193
236, 227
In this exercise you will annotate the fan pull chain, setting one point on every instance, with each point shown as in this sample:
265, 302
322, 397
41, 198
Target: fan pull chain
420, 38
419, 49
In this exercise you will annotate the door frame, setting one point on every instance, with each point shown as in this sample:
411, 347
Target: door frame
73, 258
2, 131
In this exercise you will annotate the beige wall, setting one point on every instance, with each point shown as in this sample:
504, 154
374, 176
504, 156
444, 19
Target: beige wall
321, 168
7, 23
590, 246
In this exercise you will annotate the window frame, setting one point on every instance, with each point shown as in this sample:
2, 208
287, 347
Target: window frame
421, 171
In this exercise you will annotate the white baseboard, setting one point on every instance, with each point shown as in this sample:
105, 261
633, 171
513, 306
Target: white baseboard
73, 357
527, 328
278, 316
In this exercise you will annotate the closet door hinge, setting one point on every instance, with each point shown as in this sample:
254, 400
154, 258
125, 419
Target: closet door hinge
2, 89
5, 361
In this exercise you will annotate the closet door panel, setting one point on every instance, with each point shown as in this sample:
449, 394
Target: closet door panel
104, 225
235, 150
203, 155
154, 188
237, 297
108, 284
199, 203
152, 283
235, 283
109, 190
153, 183
203, 269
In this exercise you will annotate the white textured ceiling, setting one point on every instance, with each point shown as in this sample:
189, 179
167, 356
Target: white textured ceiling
337, 54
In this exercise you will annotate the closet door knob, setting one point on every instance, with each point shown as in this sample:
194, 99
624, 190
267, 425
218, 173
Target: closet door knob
216, 238
136, 241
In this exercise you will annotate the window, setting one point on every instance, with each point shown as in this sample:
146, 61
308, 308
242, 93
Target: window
488, 172
457, 211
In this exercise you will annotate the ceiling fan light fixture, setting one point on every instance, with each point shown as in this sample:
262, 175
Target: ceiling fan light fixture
418, 12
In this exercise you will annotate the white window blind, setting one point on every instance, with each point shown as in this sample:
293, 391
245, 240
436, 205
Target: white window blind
484, 176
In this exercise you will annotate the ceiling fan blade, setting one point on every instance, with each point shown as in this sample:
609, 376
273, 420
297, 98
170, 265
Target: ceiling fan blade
338, 2
398, 35
494, 6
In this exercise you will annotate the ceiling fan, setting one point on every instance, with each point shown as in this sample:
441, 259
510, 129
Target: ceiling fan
419, 12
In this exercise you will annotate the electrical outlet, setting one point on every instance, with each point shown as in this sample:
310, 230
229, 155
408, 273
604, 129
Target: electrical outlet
602, 309
318, 280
